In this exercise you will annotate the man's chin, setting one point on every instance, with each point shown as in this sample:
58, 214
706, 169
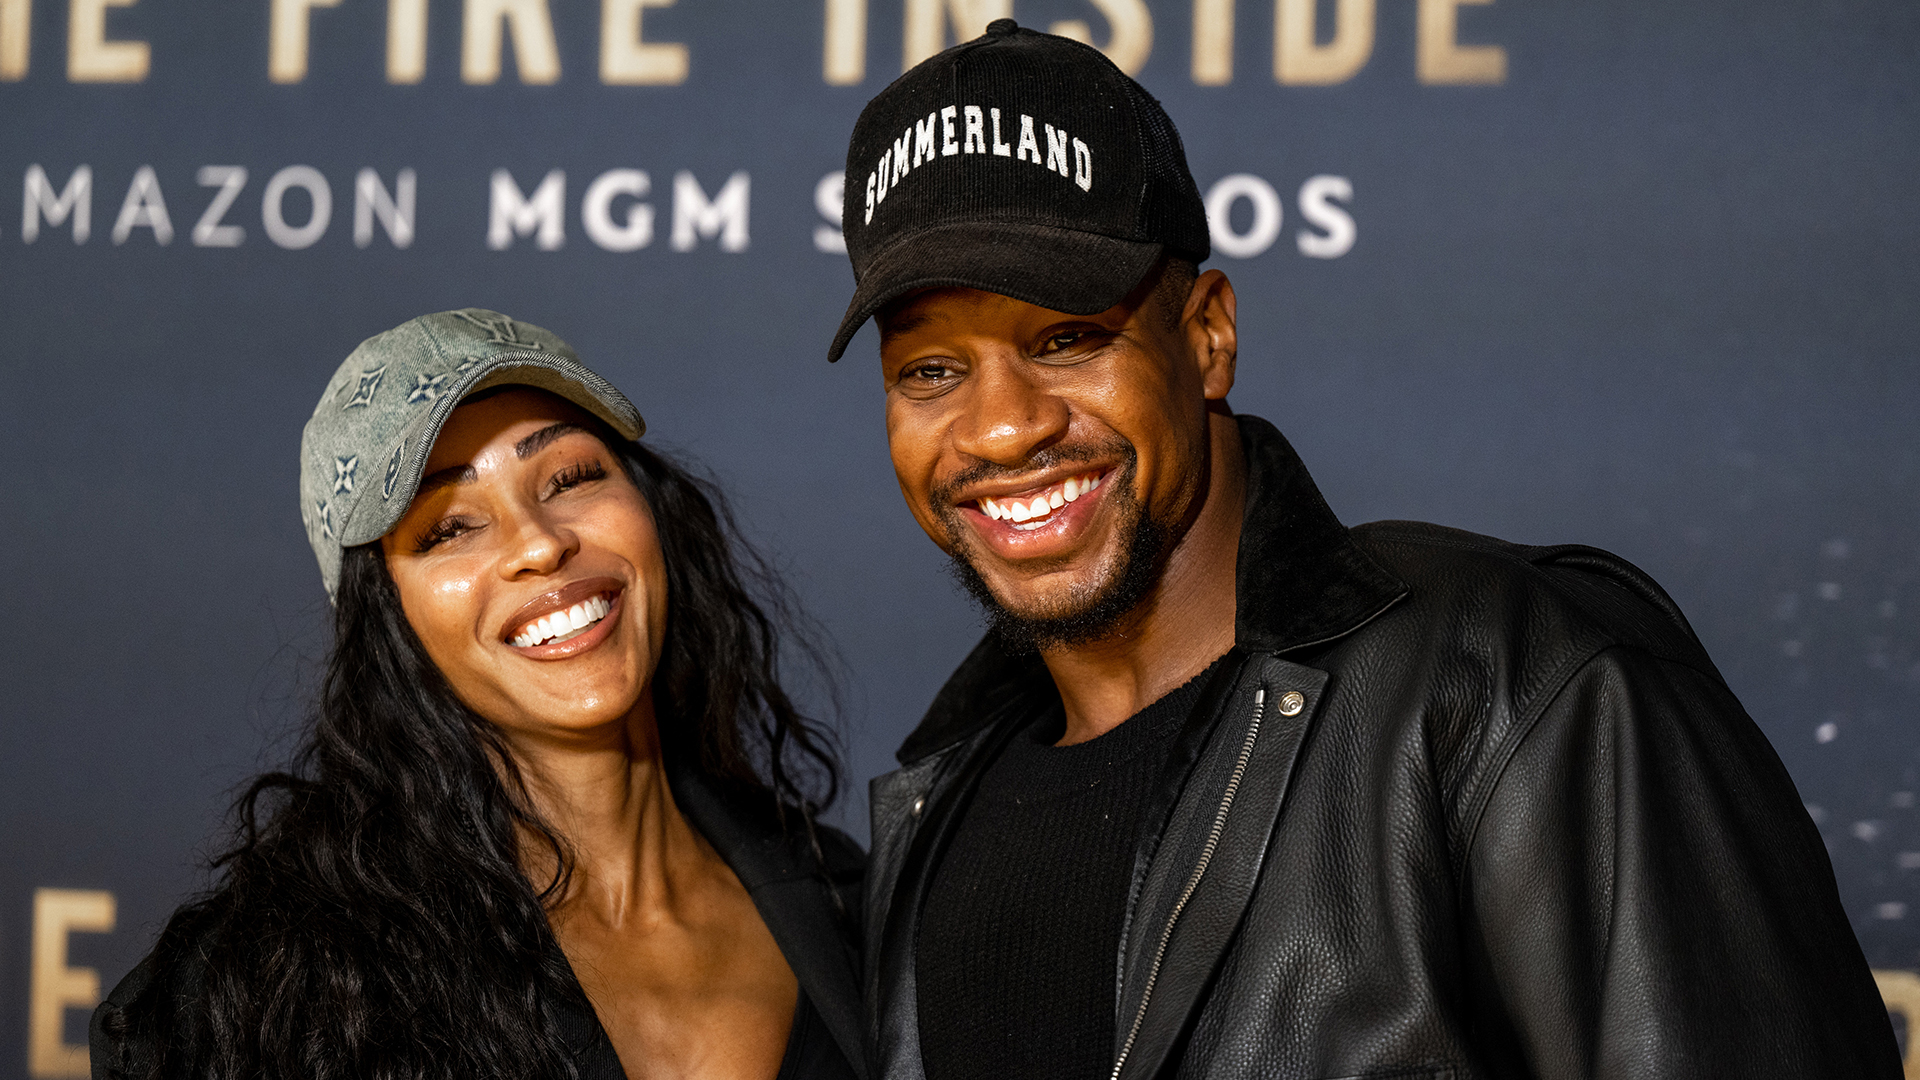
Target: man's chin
1069, 613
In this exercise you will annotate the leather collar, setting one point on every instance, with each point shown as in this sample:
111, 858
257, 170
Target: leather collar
1300, 581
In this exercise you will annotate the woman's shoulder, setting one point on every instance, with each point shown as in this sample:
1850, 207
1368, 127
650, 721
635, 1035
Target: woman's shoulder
113, 1050
143, 1013
763, 839
840, 855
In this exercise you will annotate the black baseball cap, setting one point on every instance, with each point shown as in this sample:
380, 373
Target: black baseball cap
1018, 163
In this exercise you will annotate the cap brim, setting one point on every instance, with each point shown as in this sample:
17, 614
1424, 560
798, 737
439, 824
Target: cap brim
1078, 273
573, 381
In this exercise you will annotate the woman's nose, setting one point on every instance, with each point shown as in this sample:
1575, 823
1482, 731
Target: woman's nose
538, 546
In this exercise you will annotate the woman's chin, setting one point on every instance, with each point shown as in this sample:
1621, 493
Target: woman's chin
569, 706
603, 689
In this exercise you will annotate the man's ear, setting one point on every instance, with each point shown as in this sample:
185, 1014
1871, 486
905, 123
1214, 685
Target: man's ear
1211, 336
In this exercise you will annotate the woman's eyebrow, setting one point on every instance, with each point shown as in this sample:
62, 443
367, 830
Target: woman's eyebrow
538, 441
459, 474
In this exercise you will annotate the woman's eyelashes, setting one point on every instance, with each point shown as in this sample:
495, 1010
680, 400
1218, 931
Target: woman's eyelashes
574, 475
440, 532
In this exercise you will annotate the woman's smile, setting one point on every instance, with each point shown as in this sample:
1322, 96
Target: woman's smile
566, 622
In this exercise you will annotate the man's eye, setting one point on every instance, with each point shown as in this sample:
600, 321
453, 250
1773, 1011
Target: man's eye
1066, 340
929, 372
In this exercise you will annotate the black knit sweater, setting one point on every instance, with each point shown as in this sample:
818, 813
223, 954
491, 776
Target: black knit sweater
1021, 929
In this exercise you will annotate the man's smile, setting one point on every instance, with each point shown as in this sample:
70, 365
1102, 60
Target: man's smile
1030, 511
1036, 520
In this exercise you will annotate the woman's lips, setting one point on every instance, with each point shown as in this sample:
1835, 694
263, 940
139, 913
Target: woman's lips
576, 642
565, 621
563, 625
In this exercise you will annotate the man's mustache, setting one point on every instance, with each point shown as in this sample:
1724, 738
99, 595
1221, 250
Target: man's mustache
1049, 457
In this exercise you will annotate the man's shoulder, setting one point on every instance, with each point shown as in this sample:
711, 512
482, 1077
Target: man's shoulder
1547, 600
1486, 640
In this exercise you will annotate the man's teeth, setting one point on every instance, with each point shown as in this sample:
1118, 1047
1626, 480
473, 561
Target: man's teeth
562, 625
1027, 508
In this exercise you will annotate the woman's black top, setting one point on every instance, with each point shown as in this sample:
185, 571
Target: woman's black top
795, 897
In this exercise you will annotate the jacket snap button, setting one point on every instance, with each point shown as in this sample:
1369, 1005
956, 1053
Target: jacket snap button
1292, 702
921, 802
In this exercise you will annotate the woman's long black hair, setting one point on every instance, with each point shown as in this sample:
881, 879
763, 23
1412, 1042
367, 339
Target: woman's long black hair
372, 920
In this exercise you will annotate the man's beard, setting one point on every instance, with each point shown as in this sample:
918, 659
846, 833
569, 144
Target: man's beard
1087, 614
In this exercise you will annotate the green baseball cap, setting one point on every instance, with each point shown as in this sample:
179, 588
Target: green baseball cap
362, 453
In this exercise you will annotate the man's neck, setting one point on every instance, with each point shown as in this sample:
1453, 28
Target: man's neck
1182, 626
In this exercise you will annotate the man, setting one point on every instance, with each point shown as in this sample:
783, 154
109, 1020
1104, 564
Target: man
1230, 790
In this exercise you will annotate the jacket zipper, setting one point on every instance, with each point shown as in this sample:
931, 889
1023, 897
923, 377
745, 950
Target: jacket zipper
1193, 880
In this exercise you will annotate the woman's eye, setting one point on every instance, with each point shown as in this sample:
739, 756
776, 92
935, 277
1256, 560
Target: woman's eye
440, 532
574, 475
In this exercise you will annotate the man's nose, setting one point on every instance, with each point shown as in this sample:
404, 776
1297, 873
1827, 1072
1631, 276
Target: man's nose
1008, 415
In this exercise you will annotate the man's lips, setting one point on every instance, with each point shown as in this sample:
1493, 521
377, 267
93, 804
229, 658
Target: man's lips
1035, 506
1038, 522
565, 621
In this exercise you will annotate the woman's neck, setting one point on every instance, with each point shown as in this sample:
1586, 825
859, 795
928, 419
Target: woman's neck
608, 799
682, 972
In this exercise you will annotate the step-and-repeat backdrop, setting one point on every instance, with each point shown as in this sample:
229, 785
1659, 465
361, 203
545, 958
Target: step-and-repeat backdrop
1637, 275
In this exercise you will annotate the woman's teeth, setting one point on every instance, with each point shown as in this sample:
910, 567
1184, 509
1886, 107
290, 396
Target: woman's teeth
1032, 507
562, 625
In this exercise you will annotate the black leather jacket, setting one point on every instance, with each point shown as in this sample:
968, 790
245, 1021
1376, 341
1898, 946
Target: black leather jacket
1454, 808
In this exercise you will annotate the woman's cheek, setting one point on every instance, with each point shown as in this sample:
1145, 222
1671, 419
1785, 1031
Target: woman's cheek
454, 591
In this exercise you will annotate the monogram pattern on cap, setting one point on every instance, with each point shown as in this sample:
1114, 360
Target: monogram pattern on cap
426, 388
344, 469
368, 386
393, 470
500, 331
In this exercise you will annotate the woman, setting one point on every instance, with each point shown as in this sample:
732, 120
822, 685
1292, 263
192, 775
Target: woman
551, 817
